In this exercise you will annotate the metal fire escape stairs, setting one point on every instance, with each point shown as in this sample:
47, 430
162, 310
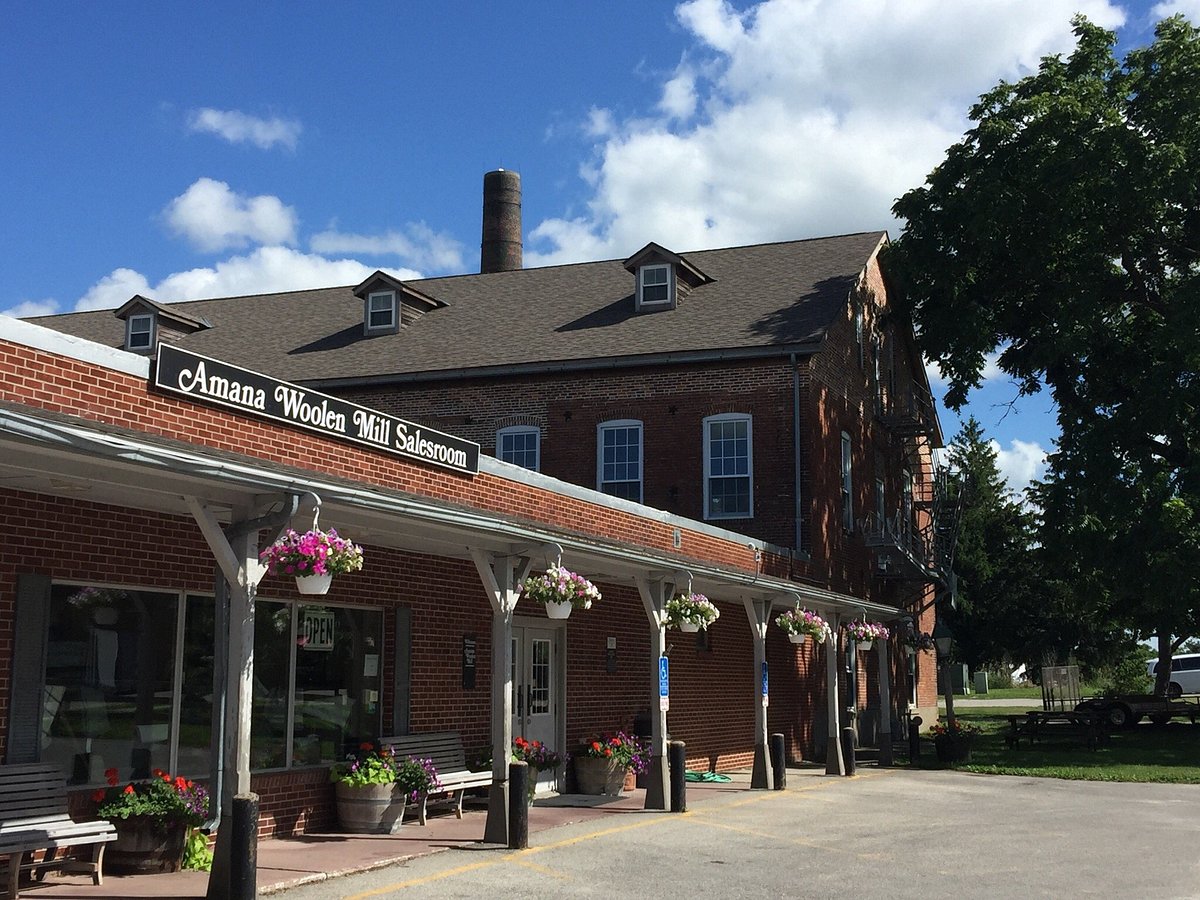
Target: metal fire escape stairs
917, 541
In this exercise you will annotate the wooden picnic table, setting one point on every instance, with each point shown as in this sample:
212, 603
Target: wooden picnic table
1036, 724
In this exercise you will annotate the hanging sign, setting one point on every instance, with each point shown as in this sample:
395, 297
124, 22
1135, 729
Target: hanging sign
765, 692
664, 685
317, 629
212, 381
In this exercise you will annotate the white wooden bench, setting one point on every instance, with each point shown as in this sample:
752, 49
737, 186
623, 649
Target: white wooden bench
33, 816
445, 749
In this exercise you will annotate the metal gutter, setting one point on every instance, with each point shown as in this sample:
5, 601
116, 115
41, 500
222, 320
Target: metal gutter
589, 364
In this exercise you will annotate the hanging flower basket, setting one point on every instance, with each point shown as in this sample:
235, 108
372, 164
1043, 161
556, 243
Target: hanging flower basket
313, 558
802, 623
865, 633
561, 591
691, 612
915, 641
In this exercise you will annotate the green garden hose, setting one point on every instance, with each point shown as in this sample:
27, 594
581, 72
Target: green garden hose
713, 777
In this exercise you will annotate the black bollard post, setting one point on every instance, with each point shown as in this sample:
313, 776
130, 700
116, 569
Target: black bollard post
677, 763
243, 846
778, 762
848, 749
914, 739
518, 805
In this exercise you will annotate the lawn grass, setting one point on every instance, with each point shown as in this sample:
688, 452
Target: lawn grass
1167, 754
1028, 692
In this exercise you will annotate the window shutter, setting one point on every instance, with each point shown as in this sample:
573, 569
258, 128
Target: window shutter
402, 675
28, 669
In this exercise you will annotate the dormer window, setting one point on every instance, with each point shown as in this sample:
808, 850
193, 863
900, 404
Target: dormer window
389, 304
139, 333
654, 285
382, 314
662, 279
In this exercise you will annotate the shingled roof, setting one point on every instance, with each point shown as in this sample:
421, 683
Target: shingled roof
780, 296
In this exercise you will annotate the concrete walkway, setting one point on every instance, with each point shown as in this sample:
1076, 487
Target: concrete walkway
289, 862
977, 702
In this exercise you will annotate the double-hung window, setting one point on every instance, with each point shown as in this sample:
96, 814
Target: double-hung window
728, 467
519, 445
654, 285
847, 486
139, 335
619, 459
381, 311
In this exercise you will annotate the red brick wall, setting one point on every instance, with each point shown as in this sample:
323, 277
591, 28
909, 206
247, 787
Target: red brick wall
713, 692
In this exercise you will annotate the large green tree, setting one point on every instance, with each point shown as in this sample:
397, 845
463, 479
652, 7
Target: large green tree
1064, 232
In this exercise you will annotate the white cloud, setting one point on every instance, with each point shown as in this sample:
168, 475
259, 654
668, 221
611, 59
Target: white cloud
28, 308
1190, 9
239, 128
114, 289
991, 371
212, 217
266, 270
417, 245
1021, 463
809, 119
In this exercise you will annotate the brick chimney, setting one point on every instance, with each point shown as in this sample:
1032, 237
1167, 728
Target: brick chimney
500, 249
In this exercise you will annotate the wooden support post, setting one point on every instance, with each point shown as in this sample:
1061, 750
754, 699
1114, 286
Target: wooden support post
834, 764
759, 614
502, 578
655, 593
885, 704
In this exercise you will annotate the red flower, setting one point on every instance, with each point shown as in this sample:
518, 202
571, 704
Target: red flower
180, 783
129, 788
596, 746
616, 742
608, 751
98, 797
111, 775
366, 745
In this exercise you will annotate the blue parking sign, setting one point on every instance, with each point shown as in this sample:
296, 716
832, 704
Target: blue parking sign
664, 678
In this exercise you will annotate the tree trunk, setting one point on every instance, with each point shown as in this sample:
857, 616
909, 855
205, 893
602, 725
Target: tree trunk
1162, 677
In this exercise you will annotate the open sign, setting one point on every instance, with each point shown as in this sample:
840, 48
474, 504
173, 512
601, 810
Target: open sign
317, 630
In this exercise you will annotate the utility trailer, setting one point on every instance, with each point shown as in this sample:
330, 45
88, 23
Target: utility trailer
1126, 710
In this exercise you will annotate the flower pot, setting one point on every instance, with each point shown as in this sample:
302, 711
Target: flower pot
865, 645
689, 627
558, 610
951, 749
313, 584
797, 638
370, 808
595, 775
146, 845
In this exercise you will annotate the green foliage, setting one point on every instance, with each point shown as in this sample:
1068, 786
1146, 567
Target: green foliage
164, 797
379, 765
1064, 232
196, 852
1144, 753
1127, 675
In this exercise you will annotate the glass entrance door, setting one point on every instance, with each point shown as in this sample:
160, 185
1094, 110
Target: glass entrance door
535, 691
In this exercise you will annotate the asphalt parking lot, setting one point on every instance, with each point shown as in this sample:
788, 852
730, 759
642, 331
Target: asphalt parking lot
882, 834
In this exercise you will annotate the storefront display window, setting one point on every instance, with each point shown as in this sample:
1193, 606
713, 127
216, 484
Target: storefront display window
109, 685
129, 687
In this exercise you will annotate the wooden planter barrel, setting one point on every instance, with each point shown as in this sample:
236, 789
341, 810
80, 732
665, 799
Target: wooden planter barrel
371, 808
599, 776
145, 845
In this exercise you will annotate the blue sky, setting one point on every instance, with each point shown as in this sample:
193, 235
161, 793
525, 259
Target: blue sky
192, 150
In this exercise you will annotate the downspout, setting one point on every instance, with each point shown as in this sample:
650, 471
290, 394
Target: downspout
796, 446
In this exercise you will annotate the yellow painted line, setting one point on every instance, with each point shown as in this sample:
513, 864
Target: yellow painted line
666, 818
543, 870
428, 879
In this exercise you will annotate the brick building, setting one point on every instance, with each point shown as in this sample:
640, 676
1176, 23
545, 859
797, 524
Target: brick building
751, 416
